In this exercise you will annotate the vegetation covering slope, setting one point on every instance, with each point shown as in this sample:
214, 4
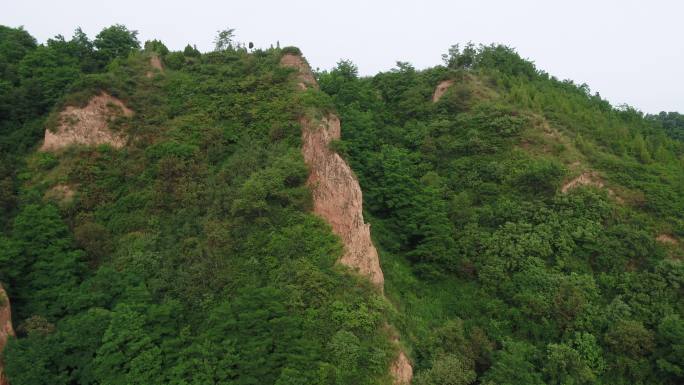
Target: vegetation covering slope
190, 256
503, 274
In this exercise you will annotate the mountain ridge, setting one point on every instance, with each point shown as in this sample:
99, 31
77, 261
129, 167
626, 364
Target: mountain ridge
524, 231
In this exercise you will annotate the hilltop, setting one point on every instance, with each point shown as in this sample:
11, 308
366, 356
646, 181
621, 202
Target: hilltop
233, 217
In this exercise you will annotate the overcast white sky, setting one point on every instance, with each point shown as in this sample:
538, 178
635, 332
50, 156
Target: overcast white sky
630, 51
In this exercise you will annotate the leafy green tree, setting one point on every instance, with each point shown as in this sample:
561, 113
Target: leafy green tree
457, 58
15, 43
156, 46
94, 239
346, 353
80, 48
84, 50
564, 365
51, 268
45, 73
32, 360
640, 150
590, 351
128, 354
224, 39
540, 177
630, 338
191, 51
447, 370
205, 361
671, 340
116, 41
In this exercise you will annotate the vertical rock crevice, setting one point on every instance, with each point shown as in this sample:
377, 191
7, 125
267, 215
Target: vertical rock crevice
6, 330
338, 199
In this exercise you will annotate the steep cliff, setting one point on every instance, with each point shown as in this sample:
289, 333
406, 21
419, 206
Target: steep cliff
337, 198
337, 195
6, 329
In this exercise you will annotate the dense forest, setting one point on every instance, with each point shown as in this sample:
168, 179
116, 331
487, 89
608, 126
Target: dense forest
528, 231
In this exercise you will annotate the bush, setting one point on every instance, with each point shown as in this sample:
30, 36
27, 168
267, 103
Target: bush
539, 176
291, 51
156, 46
174, 60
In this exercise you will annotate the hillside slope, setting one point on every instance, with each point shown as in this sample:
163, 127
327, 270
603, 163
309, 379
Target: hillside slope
234, 218
528, 231
185, 250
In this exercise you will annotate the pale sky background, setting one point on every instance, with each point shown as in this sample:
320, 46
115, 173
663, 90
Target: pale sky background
630, 51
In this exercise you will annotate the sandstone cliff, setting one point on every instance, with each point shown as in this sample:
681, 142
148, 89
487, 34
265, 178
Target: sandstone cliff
336, 192
337, 198
156, 66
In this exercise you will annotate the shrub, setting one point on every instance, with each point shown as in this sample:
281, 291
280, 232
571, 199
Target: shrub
291, 50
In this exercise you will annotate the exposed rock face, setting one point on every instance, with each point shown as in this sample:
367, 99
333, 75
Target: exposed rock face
304, 75
441, 88
337, 196
88, 125
6, 329
401, 370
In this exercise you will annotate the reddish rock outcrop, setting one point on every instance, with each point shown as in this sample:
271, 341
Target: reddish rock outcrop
401, 370
6, 329
441, 88
156, 64
304, 74
88, 125
337, 198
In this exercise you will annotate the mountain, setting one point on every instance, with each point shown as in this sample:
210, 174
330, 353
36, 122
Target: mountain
234, 217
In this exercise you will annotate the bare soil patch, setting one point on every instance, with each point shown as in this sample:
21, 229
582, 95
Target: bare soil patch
337, 196
589, 178
667, 239
88, 125
441, 88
